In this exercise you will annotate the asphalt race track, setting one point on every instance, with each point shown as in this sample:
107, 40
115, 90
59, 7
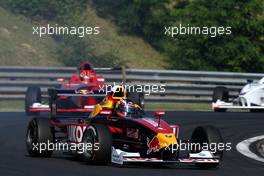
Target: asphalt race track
235, 127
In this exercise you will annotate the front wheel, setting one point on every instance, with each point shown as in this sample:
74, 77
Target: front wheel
210, 136
99, 138
33, 95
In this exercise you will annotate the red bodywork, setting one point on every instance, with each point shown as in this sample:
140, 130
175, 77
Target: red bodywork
85, 78
75, 130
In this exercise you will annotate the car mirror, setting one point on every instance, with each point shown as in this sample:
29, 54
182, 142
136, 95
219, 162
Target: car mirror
159, 113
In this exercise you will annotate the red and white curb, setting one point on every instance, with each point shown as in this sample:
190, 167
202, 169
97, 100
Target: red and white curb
243, 148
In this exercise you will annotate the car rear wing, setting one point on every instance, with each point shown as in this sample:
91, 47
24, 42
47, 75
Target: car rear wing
80, 92
55, 94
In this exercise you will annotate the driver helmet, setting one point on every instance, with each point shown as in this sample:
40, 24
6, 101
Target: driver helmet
84, 75
85, 71
118, 92
125, 108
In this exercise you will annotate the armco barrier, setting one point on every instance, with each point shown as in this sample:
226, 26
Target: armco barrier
181, 86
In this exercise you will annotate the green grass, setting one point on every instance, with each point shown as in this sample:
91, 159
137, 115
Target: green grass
131, 50
178, 106
11, 105
20, 47
19, 105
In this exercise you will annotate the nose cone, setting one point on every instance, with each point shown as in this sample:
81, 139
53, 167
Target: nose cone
166, 139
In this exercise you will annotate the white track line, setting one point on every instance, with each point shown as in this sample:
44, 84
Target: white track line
243, 148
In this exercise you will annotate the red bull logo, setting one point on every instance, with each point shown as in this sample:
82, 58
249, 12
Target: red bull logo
153, 145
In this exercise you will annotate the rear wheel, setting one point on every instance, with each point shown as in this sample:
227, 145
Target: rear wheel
33, 95
256, 110
99, 138
40, 134
210, 136
220, 93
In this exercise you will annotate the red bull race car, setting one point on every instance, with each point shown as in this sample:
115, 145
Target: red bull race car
85, 81
118, 131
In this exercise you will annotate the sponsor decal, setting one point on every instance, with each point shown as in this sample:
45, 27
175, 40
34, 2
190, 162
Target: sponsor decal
202, 154
75, 133
116, 158
153, 145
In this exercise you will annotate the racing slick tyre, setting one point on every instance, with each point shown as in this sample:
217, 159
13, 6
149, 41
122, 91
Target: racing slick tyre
207, 135
40, 134
99, 138
220, 93
33, 95
137, 98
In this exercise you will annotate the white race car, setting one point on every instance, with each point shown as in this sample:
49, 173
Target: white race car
251, 97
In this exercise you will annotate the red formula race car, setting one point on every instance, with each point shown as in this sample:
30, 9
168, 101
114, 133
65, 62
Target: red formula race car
85, 81
121, 135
